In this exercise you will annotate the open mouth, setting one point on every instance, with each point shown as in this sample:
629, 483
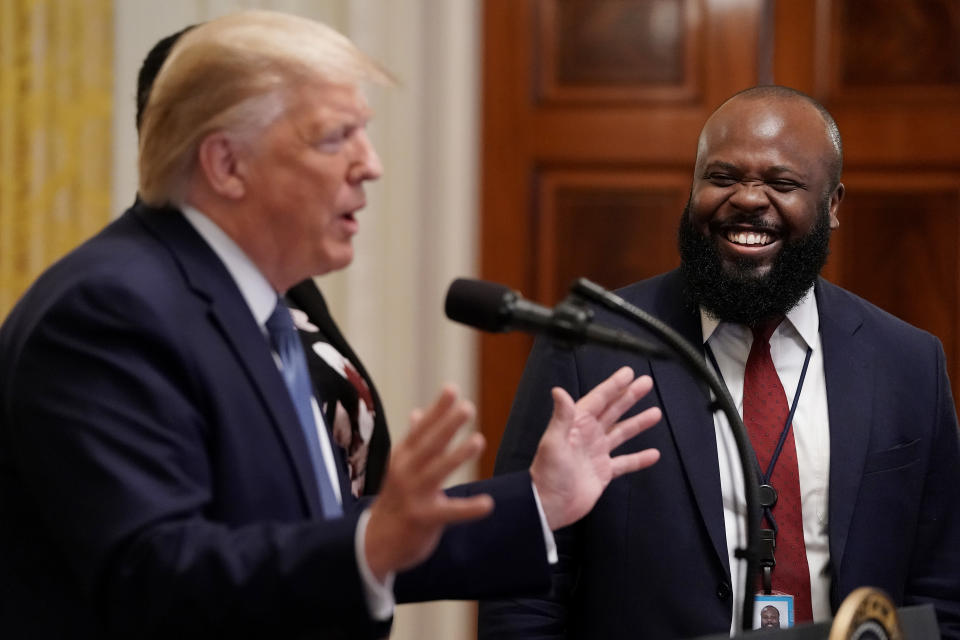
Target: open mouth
749, 238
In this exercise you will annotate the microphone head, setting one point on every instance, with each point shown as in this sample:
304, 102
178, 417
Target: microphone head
479, 304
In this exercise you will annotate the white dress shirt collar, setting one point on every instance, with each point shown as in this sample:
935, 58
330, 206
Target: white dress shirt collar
804, 317
256, 291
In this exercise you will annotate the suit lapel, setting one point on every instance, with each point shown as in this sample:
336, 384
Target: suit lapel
686, 411
230, 314
849, 376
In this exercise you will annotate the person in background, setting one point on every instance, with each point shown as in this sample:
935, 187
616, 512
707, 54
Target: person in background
165, 466
864, 470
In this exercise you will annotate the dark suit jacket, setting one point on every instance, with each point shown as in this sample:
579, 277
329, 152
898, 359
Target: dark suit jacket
650, 561
153, 480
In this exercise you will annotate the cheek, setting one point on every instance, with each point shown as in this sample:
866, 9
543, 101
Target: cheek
800, 214
702, 210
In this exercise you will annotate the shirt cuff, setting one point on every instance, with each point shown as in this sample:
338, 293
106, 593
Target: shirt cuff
380, 600
548, 540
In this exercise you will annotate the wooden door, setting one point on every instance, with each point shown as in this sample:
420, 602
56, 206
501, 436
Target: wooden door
592, 108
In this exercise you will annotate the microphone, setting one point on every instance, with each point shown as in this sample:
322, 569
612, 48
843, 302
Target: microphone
493, 307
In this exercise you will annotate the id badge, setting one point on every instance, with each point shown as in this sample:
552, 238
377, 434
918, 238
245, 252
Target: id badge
772, 611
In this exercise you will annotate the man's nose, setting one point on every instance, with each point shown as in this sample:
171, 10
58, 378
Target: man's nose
750, 195
367, 164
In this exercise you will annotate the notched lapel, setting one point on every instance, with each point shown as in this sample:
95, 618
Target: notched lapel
686, 412
849, 376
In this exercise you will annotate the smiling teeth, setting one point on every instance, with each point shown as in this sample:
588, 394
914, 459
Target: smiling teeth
750, 238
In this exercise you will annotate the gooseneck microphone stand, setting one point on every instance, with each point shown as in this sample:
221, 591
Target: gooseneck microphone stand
693, 359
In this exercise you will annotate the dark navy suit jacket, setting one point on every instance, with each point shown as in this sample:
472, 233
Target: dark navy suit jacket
153, 480
650, 560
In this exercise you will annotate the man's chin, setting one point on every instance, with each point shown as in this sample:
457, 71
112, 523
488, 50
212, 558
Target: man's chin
745, 269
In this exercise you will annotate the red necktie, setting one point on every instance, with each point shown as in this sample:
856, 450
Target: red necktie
765, 412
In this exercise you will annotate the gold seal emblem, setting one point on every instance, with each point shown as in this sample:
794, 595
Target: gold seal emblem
866, 614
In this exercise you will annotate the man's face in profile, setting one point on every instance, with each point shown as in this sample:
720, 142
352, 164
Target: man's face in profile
306, 174
770, 617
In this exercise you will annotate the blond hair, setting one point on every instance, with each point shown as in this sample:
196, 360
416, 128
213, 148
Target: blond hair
232, 74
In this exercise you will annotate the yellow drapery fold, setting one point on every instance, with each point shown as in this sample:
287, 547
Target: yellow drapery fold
56, 85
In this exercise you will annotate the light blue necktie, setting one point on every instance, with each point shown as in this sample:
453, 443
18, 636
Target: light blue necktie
286, 342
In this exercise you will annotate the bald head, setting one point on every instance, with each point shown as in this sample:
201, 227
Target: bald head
765, 196
791, 108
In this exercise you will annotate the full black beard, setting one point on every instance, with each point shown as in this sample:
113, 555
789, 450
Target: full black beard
738, 295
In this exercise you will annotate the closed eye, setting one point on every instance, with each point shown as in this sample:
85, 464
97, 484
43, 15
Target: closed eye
333, 140
785, 186
721, 179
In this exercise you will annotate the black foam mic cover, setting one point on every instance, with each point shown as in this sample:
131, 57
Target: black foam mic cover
479, 304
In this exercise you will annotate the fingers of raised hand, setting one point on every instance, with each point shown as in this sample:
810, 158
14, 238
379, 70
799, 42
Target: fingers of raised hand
619, 404
628, 428
600, 397
432, 473
435, 430
420, 417
564, 409
404, 528
633, 461
451, 510
419, 501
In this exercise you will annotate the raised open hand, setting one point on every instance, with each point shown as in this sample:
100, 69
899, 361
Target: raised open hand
573, 464
408, 517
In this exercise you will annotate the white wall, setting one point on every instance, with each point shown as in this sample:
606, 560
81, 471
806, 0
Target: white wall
418, 231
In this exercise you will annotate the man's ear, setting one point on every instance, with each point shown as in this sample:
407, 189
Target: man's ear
219, 163
835, 199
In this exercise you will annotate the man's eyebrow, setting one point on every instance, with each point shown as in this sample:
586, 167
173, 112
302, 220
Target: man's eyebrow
720, 164
781, 171
779, 168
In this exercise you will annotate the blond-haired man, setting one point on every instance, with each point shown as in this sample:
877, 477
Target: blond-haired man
163, 470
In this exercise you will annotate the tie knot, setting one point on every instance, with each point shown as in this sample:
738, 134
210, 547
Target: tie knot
280, 324
765, 328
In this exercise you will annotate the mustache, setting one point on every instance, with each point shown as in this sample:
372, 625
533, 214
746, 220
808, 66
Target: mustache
746, 219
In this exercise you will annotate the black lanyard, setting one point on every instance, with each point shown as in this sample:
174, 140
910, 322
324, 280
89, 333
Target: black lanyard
768, 495
764, 478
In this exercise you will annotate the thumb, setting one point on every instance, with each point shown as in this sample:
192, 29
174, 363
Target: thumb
564, 409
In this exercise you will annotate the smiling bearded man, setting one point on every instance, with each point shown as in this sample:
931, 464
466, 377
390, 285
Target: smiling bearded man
870, 460
744, 253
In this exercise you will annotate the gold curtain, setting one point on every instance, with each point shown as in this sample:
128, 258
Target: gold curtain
56, 84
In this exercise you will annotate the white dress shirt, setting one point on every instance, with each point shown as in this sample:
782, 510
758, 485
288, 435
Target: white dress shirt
730, 344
